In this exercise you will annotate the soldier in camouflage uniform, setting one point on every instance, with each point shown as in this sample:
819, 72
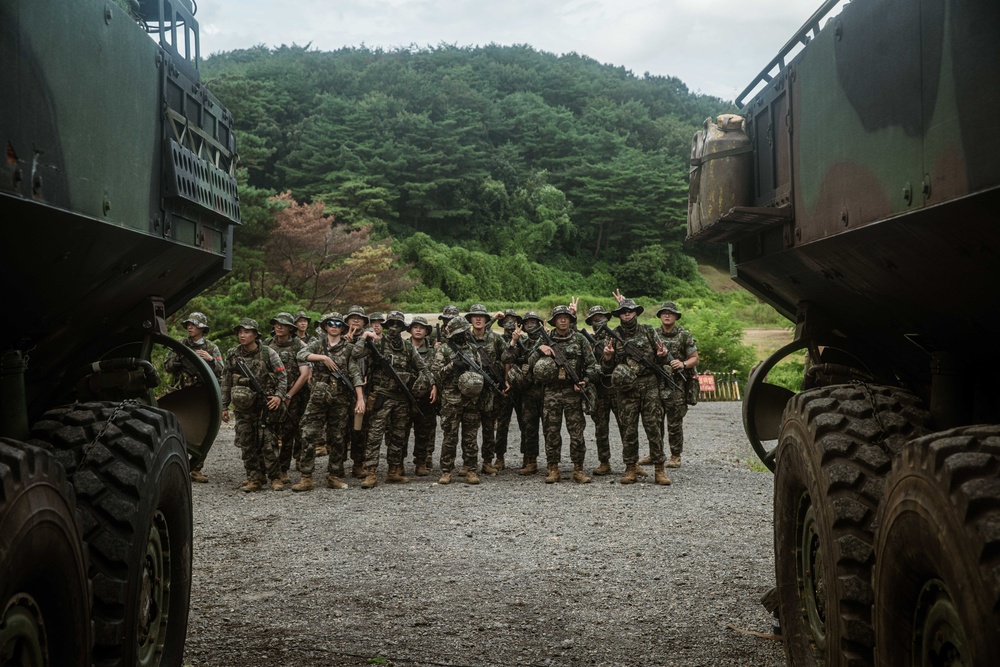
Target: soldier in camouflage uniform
683, 359
288, 345
376, 321
491, 347
255, 416
607, 393
357, 431
511, 405
461, 394
390, 414
424, 425
303, 324
184, 373
437, 338
643, 400
524, 339
332, 401
562, 396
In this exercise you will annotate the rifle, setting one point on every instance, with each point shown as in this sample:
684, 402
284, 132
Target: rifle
563, 362
391, 372
476, 368
634, 352
282, 410
590, 339
339, 376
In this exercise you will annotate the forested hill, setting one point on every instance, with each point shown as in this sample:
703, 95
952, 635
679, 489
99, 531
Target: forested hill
550, 160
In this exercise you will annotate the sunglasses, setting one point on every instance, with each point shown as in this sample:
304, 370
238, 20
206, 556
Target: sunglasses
333, 323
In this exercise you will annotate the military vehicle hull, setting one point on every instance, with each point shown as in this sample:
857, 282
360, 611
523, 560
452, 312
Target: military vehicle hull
118, 201
872, 223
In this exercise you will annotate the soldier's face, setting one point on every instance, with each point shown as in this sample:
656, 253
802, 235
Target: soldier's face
418, 333
377, 328
562, 322
598, 321
282, 330
194, 331
509, 323
531, 324
302, 324
668, 319
354, 322
246, 336
627, 315
478, 321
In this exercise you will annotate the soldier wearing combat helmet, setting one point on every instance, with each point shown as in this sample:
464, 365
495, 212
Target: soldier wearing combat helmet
255, 415
184, 372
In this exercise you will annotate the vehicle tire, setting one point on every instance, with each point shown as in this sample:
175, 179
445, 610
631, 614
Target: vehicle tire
937, 577
835, 446
44, 590
129, 467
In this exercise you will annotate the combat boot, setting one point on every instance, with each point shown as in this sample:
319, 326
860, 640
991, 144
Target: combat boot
358, 472
420, 470
277, 485
321, 450
471, 477
640, 471
198, 476
603, 469
578, 475
675, 461
660, 476
395, 475
250, 485
284, 477
530, 466
646, 460
462, 472
430, 461
630, 474
334, 482
445, 477
488, 468
553, 475
371, 478
500, 463
304, 484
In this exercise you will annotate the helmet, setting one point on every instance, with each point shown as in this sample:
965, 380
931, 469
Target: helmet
594, 311
518, 380
627, 304
303, 315
283, 318
470, 384
669, 307
418, 320
623, 377
247, 323
448, 313
332, 317
456, 325
197, 319
477, 309
546, 370
396, 316
561, 310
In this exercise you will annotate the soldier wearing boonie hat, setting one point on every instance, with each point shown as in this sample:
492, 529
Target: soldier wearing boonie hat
683, 355
425, 425
509, 321
643, 400
598, 317
522, 342
459, 402
491, 346
302, 325
254, 430
186, 374
288, 345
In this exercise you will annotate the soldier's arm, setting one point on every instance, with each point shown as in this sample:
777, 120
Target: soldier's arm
216, 364
591, 371
280, 374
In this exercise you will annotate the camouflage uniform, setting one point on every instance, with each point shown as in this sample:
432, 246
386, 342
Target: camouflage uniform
437, 337
607, 395
643, 400
254, 434
424, 426
358, 437
390, 416
289, 431
309, 336
185, 374
531, 396
560, 396
328, 414
491, 348
511, 405
457, 409
681, 345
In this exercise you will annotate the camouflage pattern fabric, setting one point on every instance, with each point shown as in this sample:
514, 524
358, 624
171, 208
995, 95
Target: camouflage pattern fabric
530, 398
425, 427
457, 410
183, 370
681, 345
328, 413
606, 401
491, 347
289, 431
508, 407
254, 435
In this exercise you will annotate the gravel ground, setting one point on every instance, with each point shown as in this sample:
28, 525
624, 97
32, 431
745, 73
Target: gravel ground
510, 572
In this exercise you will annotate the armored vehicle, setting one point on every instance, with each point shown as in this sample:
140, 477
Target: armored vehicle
859, 192
117, 205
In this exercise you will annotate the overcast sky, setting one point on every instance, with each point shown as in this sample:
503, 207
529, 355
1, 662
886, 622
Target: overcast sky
713, 46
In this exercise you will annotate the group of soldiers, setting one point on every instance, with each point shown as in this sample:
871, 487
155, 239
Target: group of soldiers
359, 382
